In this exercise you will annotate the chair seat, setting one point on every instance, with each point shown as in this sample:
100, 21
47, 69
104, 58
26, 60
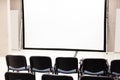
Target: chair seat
96, 78
19, 69
56, 77
19, 76
115, 73
94, 73
67, 72
43, 70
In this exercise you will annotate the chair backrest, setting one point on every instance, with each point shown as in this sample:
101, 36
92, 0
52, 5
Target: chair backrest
94, 66
40, 63
95, 78
56, 77
19, 76
115, 67
66, 64
16, 61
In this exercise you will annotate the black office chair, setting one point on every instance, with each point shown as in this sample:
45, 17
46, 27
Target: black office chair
41, 64
19, 76
115, 68
16, 63
94, 66
95, 78
56, 77
66, 65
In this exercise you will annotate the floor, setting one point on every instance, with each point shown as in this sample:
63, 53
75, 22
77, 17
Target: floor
53, 55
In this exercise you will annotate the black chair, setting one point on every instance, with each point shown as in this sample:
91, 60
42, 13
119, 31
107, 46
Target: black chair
56, 77
66, 65
16, 63
95, 78
41, 64
115, 68
94, 66
19, 76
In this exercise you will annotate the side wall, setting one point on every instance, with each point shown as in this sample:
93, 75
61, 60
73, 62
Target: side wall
3, 27
113, 5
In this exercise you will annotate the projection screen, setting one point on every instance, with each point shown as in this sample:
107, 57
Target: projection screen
64, 25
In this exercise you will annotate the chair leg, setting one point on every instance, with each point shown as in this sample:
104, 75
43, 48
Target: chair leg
33, 73
8, 70
56, 72
29, 71
78, 76
17, 71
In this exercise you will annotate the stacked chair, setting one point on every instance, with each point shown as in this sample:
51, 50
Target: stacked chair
56, 77
95, 78
66, 65
89, 68
19, 76
94, 69
16, 63
41, 64
115, 69
94, 66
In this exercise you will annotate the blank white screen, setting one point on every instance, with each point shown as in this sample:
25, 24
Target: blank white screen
64, 24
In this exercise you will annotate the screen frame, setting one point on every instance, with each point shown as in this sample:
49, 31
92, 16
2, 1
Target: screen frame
64, 49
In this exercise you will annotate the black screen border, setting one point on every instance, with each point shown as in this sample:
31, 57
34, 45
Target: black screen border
64, 49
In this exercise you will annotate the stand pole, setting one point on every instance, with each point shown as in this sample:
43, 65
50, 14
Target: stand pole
76, 52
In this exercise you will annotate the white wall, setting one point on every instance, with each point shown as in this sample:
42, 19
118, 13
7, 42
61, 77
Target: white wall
14, 29
113, 5
4, 45
117, 31
16, 5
